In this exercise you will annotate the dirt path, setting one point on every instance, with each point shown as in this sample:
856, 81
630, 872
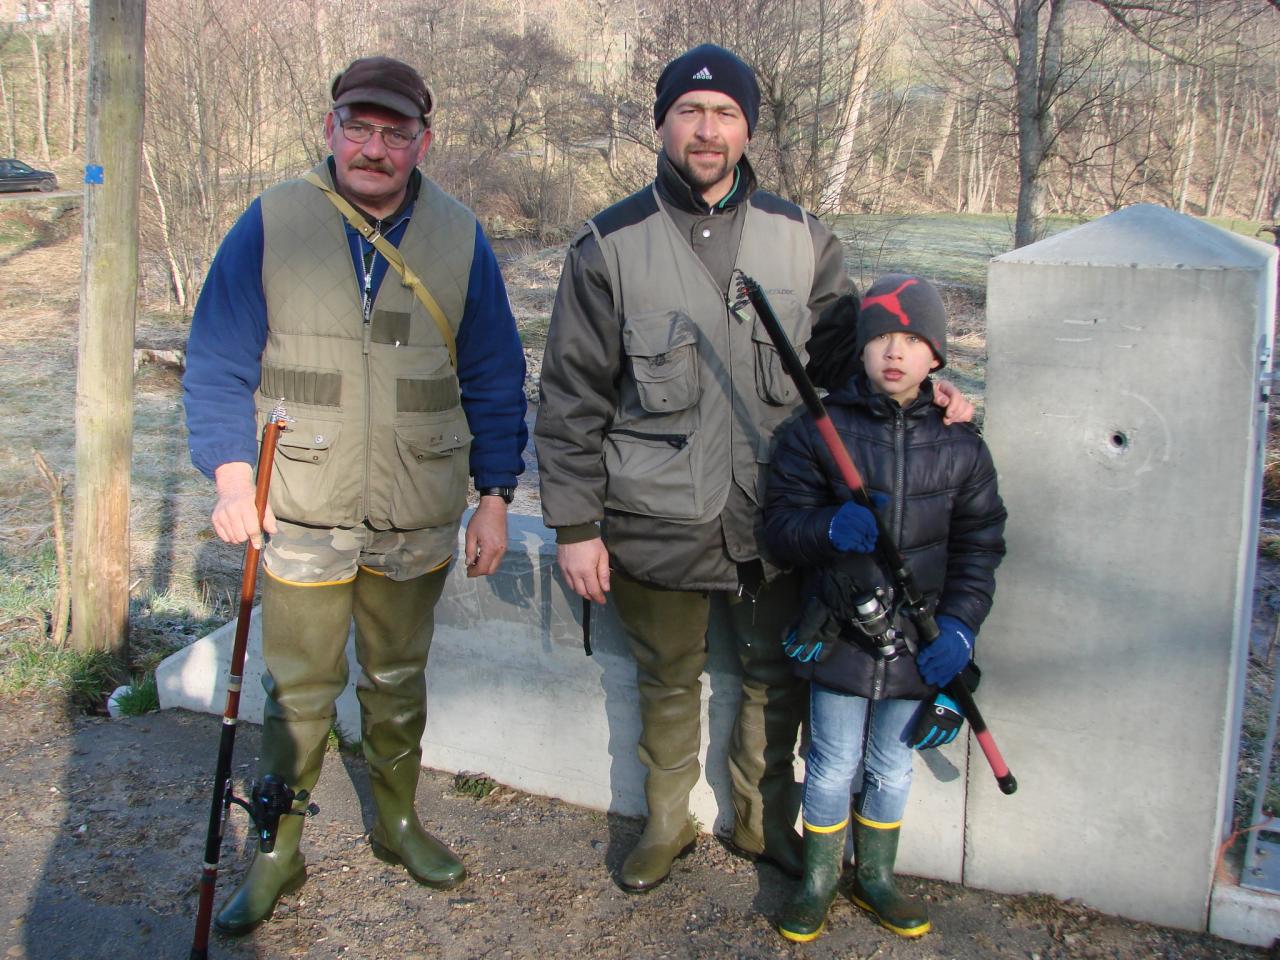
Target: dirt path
103, 831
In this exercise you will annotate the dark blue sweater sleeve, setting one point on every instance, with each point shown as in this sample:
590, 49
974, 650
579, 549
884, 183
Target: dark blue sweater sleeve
224, 351
491, 374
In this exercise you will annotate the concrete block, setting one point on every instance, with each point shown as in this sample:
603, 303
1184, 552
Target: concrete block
1124, 362
1244, 916
511, 695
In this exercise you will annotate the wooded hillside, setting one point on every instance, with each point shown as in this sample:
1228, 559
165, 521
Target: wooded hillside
1033, 107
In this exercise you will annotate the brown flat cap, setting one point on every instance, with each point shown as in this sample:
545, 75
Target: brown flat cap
386, 82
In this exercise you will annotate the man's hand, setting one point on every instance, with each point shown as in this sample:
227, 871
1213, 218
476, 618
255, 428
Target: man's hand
956, 407
486, 542
235, 516
585, 567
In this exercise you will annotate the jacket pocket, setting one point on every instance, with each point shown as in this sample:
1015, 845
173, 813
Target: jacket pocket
653, 474
308, 482
430, 486
773, 384
663, 351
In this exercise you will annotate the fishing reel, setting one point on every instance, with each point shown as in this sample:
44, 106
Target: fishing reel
873, 620
270, 800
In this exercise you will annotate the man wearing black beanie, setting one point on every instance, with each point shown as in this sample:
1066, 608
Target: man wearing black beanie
661, 393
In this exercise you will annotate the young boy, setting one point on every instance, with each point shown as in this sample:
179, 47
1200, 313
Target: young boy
935, 491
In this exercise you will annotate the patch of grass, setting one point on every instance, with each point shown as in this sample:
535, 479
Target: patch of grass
476, 785
161, 623
949, 248
35, 666
140, 698
339, 742
27, 585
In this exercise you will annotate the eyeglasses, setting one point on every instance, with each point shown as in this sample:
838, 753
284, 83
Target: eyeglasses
360, 131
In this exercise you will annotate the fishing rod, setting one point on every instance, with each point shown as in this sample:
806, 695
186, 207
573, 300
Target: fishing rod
272, 798
915, 605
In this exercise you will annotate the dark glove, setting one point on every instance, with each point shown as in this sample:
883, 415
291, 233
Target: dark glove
813, 636
937, 724
941, 661
853, 529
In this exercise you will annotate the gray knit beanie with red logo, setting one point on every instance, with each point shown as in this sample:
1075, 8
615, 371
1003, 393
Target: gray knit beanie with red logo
903, 303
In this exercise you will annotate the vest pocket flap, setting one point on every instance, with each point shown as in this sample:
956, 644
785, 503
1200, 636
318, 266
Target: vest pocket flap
662, 347
308, 441
431, 441
773, 383
654, 340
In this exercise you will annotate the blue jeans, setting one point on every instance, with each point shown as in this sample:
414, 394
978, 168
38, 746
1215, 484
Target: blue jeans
839, 725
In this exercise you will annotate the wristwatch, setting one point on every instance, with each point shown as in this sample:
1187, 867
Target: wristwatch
506, 493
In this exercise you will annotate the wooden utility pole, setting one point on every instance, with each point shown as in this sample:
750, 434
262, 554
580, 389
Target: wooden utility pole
108, 301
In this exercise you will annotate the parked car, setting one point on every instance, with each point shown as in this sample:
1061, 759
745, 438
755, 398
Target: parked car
16, 175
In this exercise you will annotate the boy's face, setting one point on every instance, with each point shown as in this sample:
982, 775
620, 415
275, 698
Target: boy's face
897, 363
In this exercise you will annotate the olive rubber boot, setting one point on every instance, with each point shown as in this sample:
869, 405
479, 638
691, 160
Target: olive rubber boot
806, 912
394, 623
305, 632
875, 848
766, 796
667, 631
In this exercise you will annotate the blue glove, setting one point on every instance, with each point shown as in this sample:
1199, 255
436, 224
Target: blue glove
853, 529
937, 724
941, 661
813, 636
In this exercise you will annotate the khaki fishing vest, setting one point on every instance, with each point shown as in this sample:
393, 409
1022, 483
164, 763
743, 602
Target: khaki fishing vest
703, 389
378, 431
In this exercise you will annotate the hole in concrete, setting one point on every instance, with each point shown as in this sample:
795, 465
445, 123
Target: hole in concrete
1119, 441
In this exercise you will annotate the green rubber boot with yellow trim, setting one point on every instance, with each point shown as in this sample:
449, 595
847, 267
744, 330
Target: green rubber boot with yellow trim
394, 625
875, 848
805, 914
305, 631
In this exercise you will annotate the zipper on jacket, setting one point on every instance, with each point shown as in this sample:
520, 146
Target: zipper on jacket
899, 470
367, 303
877, 679
677, 440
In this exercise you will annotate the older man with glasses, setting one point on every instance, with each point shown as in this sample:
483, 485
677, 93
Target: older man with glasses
399, 387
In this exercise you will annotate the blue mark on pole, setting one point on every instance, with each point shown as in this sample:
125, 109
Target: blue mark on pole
92, 173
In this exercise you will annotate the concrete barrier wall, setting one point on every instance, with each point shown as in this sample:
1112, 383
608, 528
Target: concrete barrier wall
512, 695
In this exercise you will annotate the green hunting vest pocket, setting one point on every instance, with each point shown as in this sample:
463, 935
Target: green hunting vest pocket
430, 488
305, 473
654, 473
662, 348
773, 384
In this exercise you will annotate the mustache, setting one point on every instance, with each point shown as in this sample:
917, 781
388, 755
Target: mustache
705, 145
379, 166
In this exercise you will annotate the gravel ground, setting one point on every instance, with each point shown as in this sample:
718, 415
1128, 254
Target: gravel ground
103, 828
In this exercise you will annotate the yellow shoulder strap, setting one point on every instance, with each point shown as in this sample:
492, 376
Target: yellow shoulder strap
392, 255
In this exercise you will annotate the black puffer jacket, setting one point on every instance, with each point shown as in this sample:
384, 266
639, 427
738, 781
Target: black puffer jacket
943, 512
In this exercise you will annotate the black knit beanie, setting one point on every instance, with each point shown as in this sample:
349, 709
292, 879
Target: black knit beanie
899, 302
708, 67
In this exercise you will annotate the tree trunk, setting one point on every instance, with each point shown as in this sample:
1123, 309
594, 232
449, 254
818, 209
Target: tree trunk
10, 125
70, 75
108, 300
175, 271
939, 151
42, 119
873, 13
1036, 80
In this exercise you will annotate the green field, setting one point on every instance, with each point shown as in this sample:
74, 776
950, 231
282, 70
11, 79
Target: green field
949, 248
